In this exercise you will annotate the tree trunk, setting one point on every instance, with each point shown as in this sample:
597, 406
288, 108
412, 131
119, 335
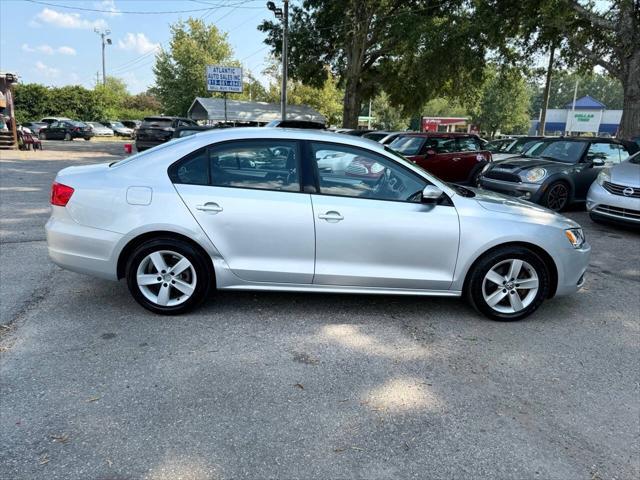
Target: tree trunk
351, 104
630, 123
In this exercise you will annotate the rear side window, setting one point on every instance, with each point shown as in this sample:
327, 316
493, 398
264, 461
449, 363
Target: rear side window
256, 164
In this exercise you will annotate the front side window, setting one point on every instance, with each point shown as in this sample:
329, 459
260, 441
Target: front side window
408, 145
441, 145
608, 152
354, 172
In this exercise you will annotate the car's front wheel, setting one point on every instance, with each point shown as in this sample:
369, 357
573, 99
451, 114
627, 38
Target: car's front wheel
42, 136
67, 137
168, 276
508, 283
557, 196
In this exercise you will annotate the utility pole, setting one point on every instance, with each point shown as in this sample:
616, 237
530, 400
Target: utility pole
547, 91
284, 16
105, 41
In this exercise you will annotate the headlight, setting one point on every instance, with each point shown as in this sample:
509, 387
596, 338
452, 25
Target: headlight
535, 175
575, 237
603, 176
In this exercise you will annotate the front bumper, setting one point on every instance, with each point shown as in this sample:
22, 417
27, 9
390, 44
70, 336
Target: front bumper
603, 205
531, 192
572, 269
80, 248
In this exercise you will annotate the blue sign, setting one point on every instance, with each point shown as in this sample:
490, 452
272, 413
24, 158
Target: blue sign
224, 79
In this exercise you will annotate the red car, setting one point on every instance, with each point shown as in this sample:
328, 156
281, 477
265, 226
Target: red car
452, 157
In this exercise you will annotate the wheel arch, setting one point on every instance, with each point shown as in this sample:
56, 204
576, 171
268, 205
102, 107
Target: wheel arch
140, 239
564, 178
542, 253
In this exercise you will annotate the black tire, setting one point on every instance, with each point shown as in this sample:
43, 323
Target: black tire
474, 177
88, 138
68, 137
476, 282
42, 136
201, 264
557, 196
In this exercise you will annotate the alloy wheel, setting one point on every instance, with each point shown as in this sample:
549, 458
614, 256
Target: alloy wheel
166, 278
510, 286
557, 197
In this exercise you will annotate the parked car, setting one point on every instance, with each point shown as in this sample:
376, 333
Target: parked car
560, 172
509, 147
66, 130
156, 130
118, 128
50, 120
296, 124
132, 124
186, 131
248, 209
99, 130
453, 157
356, 133
615, 195
382, 137
35, 127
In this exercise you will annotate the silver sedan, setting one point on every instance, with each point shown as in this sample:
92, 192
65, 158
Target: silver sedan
615, 194
250, 209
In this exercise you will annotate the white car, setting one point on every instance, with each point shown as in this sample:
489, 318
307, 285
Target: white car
99, 130
119, 128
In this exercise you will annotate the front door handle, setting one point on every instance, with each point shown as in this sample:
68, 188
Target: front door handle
210, 207
455, 159
331, 216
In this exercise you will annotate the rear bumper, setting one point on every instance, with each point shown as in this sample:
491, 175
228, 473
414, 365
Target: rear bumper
79, 248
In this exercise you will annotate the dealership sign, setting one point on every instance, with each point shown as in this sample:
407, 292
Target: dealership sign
224, 79
584, 120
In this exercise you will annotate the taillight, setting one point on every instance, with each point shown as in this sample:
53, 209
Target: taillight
60, 194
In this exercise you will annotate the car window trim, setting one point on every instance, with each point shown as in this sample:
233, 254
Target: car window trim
318, 191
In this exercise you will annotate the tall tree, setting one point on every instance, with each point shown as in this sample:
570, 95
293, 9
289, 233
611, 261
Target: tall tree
589, 34
390, 45
180, 70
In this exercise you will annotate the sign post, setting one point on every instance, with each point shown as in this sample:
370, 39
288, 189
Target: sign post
224, 79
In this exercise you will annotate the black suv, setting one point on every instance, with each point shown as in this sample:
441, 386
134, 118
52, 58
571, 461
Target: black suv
156, 130
557, 171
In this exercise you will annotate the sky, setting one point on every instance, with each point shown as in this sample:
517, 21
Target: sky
53, 41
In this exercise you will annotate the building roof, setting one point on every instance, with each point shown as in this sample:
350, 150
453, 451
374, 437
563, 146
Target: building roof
242, 111
586, 102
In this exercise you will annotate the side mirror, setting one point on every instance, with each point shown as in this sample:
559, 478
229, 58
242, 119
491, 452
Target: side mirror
597, 162
431, 193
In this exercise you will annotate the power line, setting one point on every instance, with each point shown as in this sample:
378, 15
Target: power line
137, 12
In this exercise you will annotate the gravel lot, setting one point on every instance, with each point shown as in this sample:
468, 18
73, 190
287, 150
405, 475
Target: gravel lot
304, 386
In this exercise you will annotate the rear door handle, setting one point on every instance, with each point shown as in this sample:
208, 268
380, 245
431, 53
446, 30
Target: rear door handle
331, 216
210, 207
455, 159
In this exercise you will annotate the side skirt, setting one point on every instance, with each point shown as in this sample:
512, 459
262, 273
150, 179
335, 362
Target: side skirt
292, 287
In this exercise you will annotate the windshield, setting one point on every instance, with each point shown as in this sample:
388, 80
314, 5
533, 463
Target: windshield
117, 124
157, 122
635, 159
162, 146
498, 146
409, 145
565, 151
520, 146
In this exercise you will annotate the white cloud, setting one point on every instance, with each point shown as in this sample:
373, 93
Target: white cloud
68, 20
138, 42
48, 50
109, 5
46, 71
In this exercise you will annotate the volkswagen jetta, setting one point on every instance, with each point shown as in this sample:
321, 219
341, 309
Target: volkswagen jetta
249, 209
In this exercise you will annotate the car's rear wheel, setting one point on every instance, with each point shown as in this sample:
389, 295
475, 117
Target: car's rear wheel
508, 283
67, 136
42, 136
556, 197
168, 276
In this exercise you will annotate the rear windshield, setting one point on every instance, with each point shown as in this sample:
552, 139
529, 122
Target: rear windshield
635, 159
375, 136
78, 124
157, 122
408, 145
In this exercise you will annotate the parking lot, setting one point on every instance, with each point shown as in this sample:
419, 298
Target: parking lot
281, 385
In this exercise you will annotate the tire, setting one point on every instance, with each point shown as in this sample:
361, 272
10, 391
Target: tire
484, 277
67, 137
557, 196
42, 136
474, 177
87, 138
174, 293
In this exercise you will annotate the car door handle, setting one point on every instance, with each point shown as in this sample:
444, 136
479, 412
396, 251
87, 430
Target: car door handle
331, 216
210, 207
455, 159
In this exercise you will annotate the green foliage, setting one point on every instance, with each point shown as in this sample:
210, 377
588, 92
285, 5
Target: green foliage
502, 104
387, 117
109, 102
180, 70
326, 99
443, 107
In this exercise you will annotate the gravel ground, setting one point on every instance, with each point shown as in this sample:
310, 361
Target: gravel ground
274, 385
